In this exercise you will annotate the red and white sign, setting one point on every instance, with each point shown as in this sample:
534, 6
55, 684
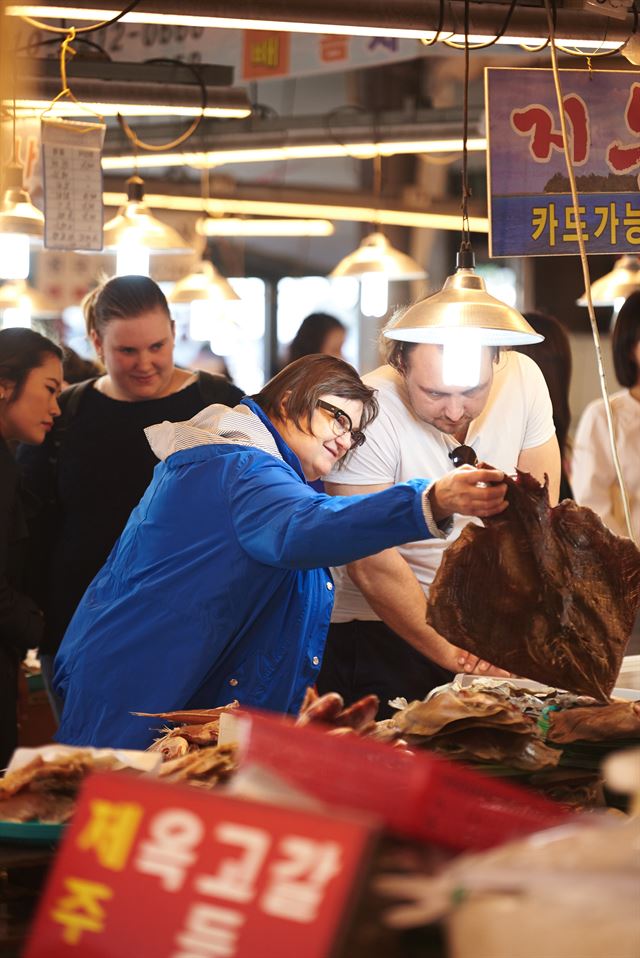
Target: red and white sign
151, 869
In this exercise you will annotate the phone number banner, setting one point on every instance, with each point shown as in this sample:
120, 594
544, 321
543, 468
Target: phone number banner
530, 207
160, 870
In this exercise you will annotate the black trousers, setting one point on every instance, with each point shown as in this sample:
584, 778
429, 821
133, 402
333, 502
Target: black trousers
9, 664
361, 658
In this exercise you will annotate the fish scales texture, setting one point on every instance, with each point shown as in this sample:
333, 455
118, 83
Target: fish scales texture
546, 593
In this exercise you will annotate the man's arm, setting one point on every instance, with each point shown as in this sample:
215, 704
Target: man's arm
541, 459
394, 593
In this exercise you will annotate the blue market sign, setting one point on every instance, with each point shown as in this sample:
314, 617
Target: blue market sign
530, 207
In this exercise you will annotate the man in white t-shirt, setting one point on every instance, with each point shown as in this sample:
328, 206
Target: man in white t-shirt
381, 600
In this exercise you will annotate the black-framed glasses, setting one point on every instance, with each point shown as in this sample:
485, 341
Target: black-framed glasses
341, 423
463, 456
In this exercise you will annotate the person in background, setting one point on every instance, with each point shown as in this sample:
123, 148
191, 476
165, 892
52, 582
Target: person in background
96, 463
231, 529
76, 369
30, 383
379, 640
318, 333
593, 475
553, 356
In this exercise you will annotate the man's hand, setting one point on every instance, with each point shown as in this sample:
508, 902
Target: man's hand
469, 492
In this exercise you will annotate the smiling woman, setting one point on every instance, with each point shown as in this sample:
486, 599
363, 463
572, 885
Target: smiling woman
96, 463
30, 382
231, 528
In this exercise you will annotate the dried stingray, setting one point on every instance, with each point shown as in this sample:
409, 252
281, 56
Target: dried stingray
549, 594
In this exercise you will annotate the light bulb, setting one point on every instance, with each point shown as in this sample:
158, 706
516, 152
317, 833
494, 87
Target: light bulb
461, 358
374, 294
19, 315
202, 315
132, 258
14, 256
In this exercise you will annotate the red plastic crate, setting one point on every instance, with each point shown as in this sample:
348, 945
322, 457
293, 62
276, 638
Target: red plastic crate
416, 794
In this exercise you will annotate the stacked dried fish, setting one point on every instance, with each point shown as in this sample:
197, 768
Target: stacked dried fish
190, 750
45, 791
329, 709
472, 725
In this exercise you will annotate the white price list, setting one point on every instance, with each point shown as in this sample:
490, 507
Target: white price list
73, 208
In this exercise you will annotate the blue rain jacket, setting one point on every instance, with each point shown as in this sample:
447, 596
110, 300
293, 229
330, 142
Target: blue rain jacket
218, 587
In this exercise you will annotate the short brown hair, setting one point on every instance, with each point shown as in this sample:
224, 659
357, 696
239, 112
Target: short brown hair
122, 297
626, 333
306, 380
396, 352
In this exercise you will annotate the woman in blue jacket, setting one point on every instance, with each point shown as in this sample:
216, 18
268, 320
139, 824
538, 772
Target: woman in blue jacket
219, 587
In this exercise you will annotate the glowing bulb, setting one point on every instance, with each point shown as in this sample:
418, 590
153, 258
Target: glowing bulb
461, 358
202, 316
132, 258
19, 315
14, 256
374, 294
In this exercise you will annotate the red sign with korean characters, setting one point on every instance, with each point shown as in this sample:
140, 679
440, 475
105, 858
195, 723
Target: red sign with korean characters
531, 209
162, 871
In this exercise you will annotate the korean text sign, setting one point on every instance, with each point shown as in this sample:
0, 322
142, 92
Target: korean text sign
152, 869
531, 210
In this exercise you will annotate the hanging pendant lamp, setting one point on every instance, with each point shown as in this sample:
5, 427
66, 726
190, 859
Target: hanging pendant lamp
21, 226
463, 304
134, 233
376, 255
618, 284
203, 283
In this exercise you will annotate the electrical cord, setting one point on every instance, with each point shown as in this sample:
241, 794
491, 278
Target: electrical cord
89, 29
585, 268
488, 43
436, 36
193, 126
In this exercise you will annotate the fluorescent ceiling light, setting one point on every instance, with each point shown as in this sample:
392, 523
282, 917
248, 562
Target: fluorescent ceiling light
180, 18
66, 108
361, 151
353, 214
212, 226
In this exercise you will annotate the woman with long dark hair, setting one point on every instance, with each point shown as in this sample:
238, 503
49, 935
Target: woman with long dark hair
30, 383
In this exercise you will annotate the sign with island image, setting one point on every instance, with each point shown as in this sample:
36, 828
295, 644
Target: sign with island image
530, 206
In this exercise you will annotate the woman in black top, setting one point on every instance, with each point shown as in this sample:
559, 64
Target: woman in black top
30, 382
97, 463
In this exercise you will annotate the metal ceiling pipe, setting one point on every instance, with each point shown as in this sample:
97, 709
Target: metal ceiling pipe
400, 15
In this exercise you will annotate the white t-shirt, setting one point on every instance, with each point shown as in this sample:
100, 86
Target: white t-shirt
593, 477
399, 446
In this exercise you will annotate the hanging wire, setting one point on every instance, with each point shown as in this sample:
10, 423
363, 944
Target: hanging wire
88, 29
487, 43
193, 126
466, 233
436, 35
585, 270
65, 50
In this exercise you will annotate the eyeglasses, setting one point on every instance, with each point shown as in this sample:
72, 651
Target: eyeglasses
341, 423
463, 456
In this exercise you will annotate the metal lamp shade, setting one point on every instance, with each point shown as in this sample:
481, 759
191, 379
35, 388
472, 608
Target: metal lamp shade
19, 215
376, 255
621, 282
463, 303
135, 223
14, 291
204, 283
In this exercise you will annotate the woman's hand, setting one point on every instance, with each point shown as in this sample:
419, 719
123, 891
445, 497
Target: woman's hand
470, 492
